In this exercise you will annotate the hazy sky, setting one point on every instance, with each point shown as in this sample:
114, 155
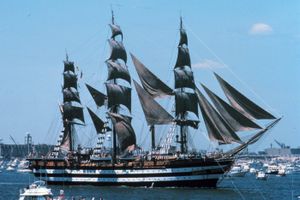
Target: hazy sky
254, 45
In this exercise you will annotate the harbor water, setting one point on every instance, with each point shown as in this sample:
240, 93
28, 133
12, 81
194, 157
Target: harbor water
247, 187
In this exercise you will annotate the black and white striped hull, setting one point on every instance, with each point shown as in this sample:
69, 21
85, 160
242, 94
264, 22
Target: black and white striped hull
171, 176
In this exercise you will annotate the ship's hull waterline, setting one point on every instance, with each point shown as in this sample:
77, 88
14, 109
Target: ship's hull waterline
180, 173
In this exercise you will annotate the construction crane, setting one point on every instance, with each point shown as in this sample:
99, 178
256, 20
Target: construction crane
13, 139
281, 144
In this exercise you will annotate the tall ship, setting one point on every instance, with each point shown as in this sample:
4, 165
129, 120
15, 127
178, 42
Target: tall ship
170, 162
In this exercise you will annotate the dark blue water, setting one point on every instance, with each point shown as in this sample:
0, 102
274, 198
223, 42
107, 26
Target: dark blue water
282, 188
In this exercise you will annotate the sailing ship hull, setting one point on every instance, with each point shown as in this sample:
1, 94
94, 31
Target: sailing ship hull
178, 173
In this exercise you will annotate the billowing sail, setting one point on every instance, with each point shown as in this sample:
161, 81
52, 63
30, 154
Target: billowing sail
242, 103
70, 94
151, 83
185, 102
69, 66
212, 131
70, 80
118, 95
183, 38
116, 70
98, 123
124, 131
184, 78
117, 50
215, 124
115, 30
98, 97
154, 113
66, 139
71, 112
234, 118
183, 57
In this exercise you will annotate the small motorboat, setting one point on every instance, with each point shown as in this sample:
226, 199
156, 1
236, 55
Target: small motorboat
272, 169
281, 172
37, 190
261, 175
10, 168
252, 170
24, 170
236, 171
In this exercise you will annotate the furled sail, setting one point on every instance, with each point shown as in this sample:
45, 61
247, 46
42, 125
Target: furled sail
69, 66
115, 30
70, 94
183, 57
98, 123
151, 83
242, 103
71, 112
116, 70
98, 97
154, 113
184, 78
234, 118
124, 131
218, 129
70, 80
117, 50
118, 95
186, 102
187, 122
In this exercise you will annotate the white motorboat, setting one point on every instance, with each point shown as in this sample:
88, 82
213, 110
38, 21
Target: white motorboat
281, 172
252, 170
272, 169
23, 167
37, 190
236, 171
26, 170
10, 168
261, 175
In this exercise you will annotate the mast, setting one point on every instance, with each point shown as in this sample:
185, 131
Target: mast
123, 135
184, 101
69, 110
114, 109
117, 94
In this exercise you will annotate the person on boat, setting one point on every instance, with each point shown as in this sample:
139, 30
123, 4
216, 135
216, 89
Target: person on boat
61, 195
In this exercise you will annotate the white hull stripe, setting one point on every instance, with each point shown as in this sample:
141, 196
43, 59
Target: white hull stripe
132, 171
124, 180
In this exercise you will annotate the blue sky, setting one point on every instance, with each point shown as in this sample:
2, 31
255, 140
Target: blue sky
255, 45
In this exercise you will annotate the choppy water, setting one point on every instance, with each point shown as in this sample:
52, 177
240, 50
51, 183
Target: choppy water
283, 188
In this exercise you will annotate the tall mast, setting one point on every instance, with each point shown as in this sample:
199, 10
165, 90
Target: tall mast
117, 94
123, 133
114, 109
70, 112
184, 101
